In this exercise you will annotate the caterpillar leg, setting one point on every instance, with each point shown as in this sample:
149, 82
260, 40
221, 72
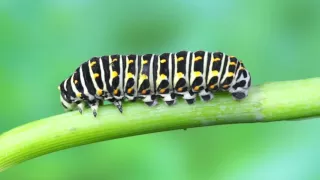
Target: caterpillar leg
80, 105
189, 97
238, 95
150, 100
117, 103
169, 99
205, 95
94, 104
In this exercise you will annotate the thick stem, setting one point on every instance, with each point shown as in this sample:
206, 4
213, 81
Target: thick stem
289, 100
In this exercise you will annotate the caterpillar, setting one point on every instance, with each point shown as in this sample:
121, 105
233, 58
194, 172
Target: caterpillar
147, 77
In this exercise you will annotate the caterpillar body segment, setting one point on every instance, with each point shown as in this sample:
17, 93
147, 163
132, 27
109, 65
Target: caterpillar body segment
147, 77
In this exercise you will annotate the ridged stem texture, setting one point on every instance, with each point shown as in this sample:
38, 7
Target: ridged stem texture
285, 100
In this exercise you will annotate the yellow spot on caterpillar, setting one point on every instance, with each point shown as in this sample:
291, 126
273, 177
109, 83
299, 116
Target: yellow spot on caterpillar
93, 63
75, 81
115, 92
197, 73
230, 74
231, 56
144, 91
196, 88
144, 62
180, 75
114, 74
197, 58
225, 86
95, 75
215, 73
129, 75
143, 77
216, 59
162, 90
180, 59
130, 61
99, 92
180, 89
232, 63
163, 60
241, 68
114, 60
211, 87
79, 95
130, 90
163, 76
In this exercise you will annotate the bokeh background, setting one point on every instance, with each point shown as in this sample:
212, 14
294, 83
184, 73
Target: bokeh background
42, 42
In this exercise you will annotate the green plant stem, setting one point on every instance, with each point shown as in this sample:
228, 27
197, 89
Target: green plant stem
287, 100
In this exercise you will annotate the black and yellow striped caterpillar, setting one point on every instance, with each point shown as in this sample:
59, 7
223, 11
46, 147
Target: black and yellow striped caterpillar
149, 76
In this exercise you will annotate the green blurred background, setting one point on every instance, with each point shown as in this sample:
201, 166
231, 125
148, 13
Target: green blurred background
42, 42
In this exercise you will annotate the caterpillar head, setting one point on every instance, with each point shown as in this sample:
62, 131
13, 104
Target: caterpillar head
65, 99
241, 84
